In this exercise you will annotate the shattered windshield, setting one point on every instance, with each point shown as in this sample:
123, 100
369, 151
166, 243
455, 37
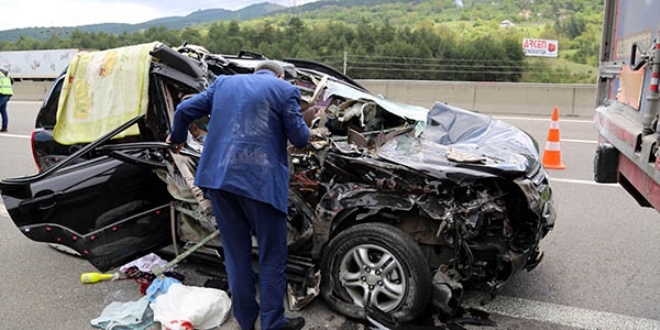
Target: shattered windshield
416, 113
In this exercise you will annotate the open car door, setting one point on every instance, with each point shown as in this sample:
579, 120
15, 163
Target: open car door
110, 208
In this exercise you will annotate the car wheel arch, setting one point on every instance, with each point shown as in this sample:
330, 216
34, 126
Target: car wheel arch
395, 242
344, 220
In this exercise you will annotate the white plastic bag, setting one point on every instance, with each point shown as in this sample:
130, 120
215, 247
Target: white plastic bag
191, 307
133, 315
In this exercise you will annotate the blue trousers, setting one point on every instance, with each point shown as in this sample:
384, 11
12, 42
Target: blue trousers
4, 99
238, 217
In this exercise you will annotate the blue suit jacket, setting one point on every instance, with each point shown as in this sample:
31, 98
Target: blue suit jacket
252, 116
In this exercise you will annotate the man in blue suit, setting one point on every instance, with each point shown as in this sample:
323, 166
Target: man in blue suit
244, 172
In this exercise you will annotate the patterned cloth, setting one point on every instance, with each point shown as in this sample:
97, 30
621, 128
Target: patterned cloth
102, 91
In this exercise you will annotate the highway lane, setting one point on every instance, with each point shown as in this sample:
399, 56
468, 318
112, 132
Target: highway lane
600, 269
600, 257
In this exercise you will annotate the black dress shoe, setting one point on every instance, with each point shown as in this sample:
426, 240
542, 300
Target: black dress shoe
295, 323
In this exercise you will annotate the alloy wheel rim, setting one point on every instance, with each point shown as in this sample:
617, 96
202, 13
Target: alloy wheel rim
370, 273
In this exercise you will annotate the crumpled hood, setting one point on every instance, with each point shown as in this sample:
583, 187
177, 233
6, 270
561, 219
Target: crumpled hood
474, 142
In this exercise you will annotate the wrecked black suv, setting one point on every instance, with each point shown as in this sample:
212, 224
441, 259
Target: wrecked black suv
395, 206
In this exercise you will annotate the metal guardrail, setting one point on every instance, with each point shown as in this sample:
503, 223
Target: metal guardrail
573, 100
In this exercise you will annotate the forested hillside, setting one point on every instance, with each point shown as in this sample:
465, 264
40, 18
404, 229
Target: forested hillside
405, 39
171, 22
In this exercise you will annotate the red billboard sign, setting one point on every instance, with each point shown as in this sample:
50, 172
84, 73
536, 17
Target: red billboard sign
540, 47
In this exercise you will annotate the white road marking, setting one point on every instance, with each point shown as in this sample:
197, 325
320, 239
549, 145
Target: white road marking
578, 141
524, 308
562, 140
575, 181
587, 182
576, 317
547, 312
550, 122
15, 136
26, 102
544, 119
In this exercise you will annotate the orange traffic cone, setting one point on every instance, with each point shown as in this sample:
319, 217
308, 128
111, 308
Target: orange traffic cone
552, 153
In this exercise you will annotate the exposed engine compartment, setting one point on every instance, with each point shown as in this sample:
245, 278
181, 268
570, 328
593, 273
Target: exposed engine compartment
471, 212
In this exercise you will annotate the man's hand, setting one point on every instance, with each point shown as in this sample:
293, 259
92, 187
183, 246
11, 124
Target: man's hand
178, 146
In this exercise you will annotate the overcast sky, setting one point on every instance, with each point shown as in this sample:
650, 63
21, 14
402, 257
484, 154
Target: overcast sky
37, 13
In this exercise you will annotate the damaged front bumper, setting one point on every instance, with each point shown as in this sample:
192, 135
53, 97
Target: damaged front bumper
537, 189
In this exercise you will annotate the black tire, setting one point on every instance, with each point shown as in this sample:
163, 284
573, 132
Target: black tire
342, 256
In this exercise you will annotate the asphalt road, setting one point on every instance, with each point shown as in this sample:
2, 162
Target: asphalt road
600, 270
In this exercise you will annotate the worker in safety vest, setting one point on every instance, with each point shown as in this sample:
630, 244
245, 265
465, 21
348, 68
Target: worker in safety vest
6, 93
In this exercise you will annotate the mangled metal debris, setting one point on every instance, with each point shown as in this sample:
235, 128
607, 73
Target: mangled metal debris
393, 205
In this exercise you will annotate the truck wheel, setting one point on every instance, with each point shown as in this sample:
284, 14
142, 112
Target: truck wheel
378, 263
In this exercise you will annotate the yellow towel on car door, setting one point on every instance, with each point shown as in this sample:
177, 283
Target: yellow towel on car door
103, 90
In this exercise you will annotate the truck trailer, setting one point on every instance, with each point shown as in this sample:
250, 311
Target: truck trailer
627, 100
36, 64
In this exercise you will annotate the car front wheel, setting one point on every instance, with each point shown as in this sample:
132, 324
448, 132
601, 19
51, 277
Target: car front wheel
379, 265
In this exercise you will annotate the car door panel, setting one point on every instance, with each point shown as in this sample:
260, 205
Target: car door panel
107, 210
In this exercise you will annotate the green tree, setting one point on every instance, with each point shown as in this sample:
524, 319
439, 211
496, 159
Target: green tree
54, 42
216, 37
366, 35
192, 36
80, 39
406, 39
